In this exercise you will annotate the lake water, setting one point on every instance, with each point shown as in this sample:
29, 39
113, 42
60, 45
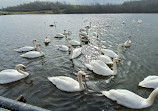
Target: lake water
138, 61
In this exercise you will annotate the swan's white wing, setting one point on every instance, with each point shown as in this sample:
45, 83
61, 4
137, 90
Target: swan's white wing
25, 49
150, 82
63, 47
11, 75
32, 54
125, 98
101, 70
109, 53
76, 53
105, 59
59, 35
74, 42
65, 83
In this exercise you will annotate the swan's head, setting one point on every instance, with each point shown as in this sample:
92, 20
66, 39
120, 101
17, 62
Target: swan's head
34, 40
121, 46
21, 66
117, 60
83, 74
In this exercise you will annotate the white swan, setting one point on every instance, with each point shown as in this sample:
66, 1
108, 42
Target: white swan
149, 82
67, 33
62, 47
74, 53
111, 53
140, 21
12, 75
33, 54
59, 35
74, 42
106, 59
101, 68
68, 84
127, 43
130, 99
47, 40
27, 48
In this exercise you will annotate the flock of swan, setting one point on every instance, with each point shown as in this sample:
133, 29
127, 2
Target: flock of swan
99, 65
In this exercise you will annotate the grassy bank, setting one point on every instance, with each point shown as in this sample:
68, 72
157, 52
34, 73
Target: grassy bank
33, 12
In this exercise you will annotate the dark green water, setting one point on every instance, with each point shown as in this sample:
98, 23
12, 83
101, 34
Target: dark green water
139, 61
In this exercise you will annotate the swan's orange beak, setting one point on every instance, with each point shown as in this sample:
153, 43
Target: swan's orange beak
84, 77
24, 68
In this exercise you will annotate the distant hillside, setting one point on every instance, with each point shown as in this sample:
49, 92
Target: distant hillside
143, 6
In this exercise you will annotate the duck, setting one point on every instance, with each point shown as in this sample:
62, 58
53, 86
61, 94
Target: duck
27, 48
68, 84
127, 44
62, 47
47, 40
100, 68
33, 54
130, 99
59, 35
12, 75
111, 53
149, 82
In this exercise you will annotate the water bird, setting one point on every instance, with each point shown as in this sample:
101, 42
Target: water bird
67, 33
149, 82
68, 84
52, 25
127, 44
27, 48
47, 41
62, 47
33, 54
100, 68
140, 21
59, 35
130, 99
12, 75
111, 53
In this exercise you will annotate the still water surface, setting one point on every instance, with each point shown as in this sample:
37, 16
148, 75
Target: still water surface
139, 61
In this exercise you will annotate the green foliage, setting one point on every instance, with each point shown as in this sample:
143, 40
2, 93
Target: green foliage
143, 6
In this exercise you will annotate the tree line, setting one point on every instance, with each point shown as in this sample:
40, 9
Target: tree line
142, 6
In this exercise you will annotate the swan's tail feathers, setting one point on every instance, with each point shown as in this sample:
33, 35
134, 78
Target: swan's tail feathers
141, 84
106, 93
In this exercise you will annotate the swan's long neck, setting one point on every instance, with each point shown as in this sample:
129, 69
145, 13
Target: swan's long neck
39, 50
80, 81
114, 66
33, 42
100, 50
152, 96
20, 71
